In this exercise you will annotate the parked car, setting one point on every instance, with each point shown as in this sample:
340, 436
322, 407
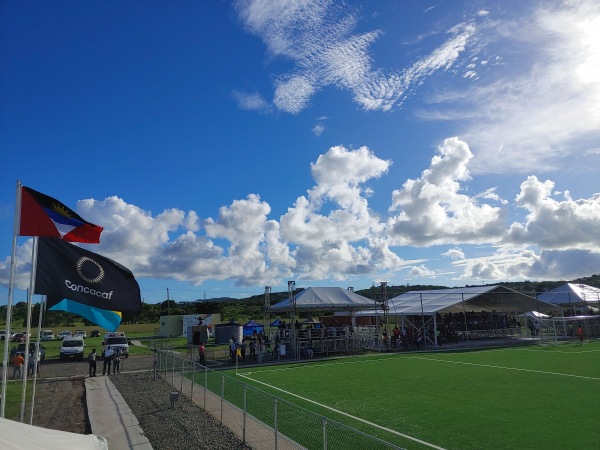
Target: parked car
3, 335
47, 335
19, 337
64, 334
81, 333
32, 345
95, 333
72, 347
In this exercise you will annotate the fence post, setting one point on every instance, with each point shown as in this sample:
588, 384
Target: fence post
173, 372
154, 364
205, 385
324, 433
182, 372
222, 395
244, 419
275, 425
193, 380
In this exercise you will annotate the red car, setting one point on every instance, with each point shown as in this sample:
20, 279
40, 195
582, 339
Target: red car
19, 337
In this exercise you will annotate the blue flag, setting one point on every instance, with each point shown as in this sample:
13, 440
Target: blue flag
109, 320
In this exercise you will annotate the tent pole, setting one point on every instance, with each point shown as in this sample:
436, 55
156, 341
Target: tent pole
435, 329
422, 321
465, 315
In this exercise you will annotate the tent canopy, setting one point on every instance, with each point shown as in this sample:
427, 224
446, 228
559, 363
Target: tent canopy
252, 324
310, 321
334, 298
18, 436
480, 298
571, 293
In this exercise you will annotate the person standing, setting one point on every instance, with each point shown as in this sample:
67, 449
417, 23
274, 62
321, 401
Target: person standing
31, 362
92, 362
253, 348
17, 362
202, 354
107, 360
580, 333
116, 360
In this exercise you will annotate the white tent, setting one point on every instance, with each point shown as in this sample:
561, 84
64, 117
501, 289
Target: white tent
535, 315
329, 298
572, 293
20, 436
479, 298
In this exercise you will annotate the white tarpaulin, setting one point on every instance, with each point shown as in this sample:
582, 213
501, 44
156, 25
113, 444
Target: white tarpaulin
572, 293
326, 298
21, 436
457, 300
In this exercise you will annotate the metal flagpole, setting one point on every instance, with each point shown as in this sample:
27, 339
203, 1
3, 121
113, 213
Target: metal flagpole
11, 283
29, 302
37, 357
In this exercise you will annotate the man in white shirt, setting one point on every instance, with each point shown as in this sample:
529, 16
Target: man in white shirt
108, 356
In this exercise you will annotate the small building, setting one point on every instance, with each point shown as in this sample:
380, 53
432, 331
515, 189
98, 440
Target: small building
178, 325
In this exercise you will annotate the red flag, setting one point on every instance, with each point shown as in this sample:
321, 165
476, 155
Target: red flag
42, 215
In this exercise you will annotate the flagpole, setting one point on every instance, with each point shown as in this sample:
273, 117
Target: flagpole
29, 303
11, 282
37, 357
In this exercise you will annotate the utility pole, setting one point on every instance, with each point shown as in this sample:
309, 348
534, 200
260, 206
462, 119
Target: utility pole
168, 303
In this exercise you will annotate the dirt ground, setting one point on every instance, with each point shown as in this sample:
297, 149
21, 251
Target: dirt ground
61, 405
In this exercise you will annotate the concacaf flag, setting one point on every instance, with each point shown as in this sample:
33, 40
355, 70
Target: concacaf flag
109, 320
66, 271
42, 215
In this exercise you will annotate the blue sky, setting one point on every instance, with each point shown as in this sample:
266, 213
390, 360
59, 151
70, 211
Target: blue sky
228, 146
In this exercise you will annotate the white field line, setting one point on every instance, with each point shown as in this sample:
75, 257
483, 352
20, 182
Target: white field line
507, 368
389, 430
318, 365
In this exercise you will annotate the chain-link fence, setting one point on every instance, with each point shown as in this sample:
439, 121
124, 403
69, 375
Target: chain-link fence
261, 419
67, 369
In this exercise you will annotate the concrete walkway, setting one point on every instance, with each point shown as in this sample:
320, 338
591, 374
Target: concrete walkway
111, 418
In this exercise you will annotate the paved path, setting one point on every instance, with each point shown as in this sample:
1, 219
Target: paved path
111, 418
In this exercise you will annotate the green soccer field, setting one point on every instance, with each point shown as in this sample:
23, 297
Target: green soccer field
536, 397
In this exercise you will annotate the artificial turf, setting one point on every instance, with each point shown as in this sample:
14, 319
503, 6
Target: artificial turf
513, 398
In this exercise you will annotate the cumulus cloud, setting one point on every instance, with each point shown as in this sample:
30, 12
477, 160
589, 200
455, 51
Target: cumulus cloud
432, 209
454, 253
343, 241
318, 38
420, 271
554, 224
333, 233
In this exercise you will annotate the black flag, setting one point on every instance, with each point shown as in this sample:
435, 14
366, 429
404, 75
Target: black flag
65, 271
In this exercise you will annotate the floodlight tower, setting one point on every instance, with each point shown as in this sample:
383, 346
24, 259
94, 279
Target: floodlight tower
267, 309
292, 300
386, 309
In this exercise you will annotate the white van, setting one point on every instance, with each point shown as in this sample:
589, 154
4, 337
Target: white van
72, 348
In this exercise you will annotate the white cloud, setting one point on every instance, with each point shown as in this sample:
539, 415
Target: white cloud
432, 209
317, 36
454, 253
318, 130
332, 232
251, 101
546, 106
420, 271
553, 224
